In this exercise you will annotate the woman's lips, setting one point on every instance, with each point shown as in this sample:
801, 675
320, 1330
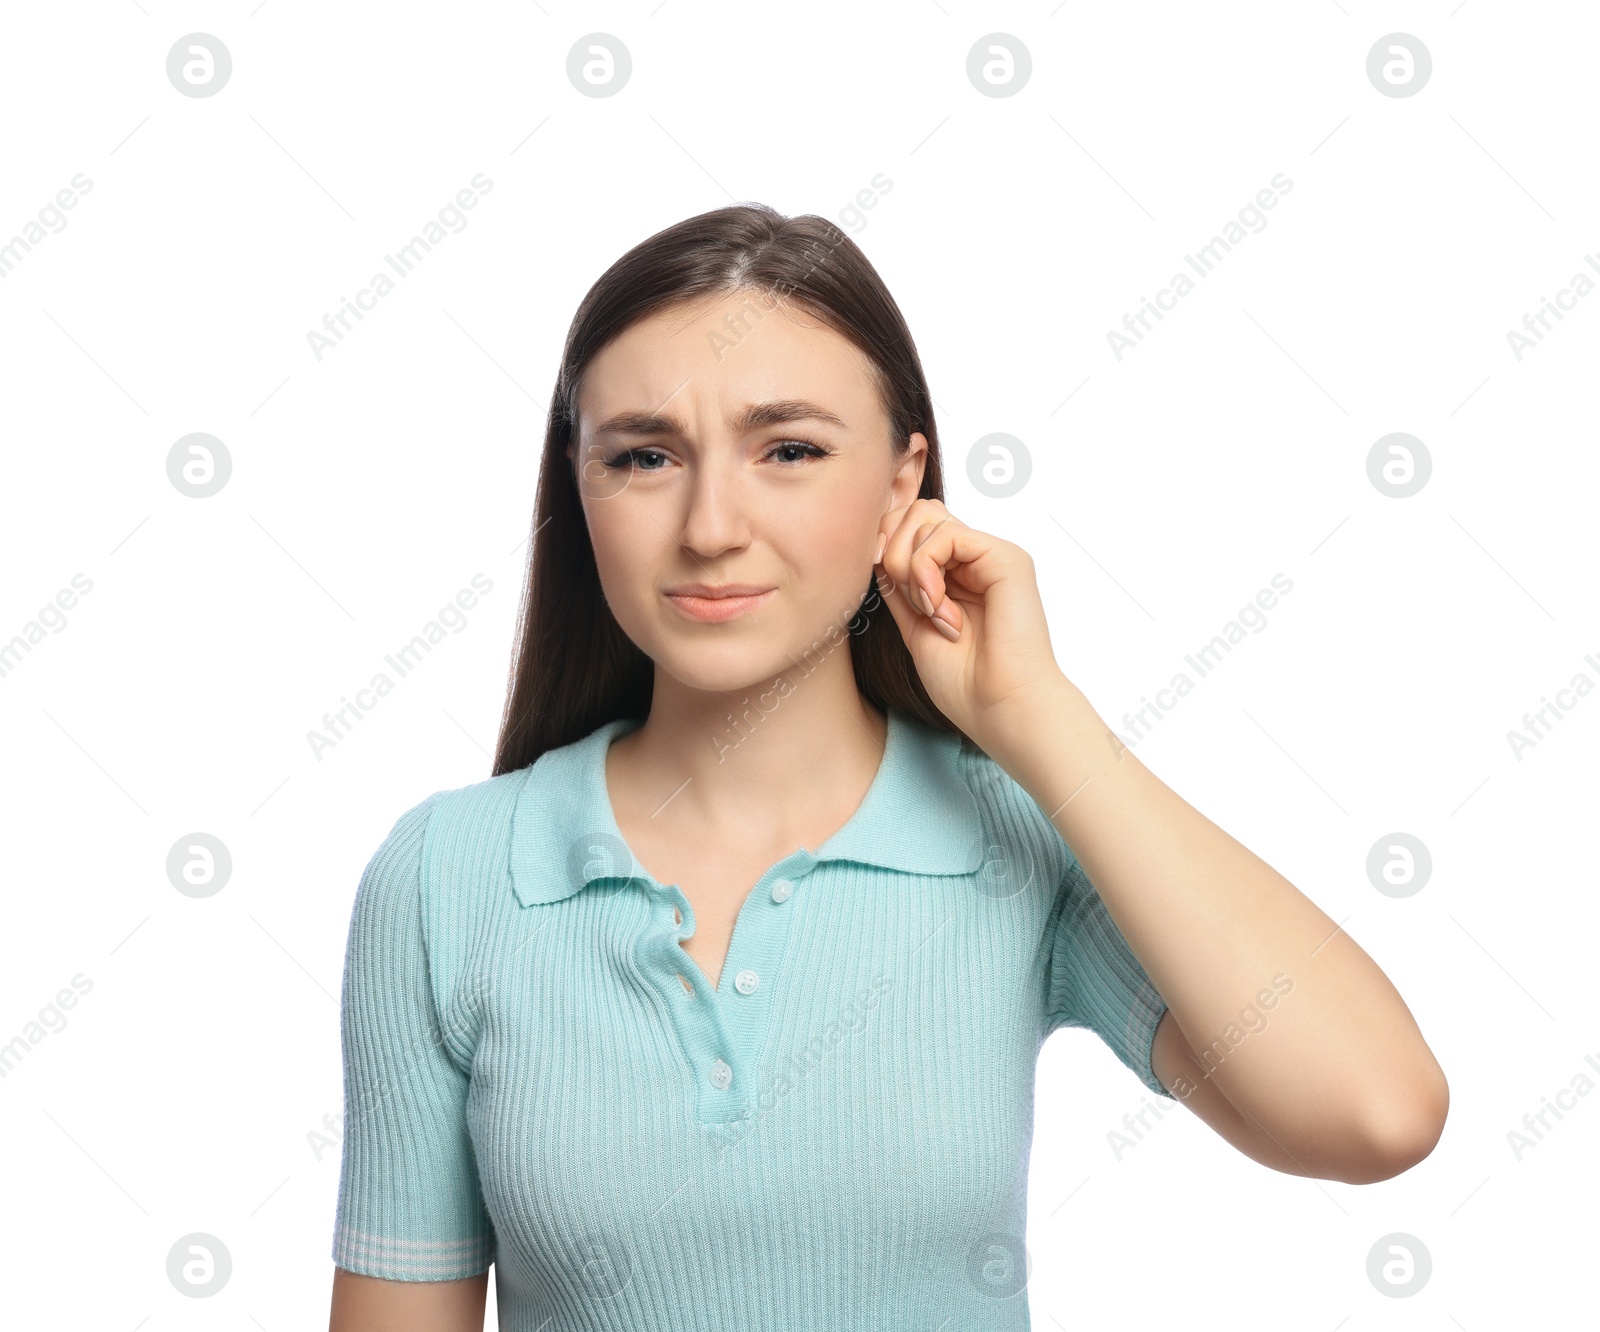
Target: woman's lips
713, 609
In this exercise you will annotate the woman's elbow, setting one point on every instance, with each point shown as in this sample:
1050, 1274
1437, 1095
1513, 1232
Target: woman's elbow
1402, 1134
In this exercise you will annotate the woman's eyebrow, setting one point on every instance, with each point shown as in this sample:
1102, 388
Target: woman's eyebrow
753, 417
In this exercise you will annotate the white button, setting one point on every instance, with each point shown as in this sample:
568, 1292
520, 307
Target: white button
781, 890
721, 1075
746, 981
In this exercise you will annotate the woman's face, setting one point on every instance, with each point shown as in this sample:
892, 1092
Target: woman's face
761, 457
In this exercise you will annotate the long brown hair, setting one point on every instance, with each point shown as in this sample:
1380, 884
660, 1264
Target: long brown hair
573, 668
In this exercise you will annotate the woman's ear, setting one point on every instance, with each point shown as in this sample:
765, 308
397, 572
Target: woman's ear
907, 483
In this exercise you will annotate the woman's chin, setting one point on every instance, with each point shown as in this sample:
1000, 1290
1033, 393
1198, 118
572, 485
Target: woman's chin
728, 671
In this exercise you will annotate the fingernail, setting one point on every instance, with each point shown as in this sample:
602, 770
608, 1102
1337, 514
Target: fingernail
948, 630
927, 601
883, 541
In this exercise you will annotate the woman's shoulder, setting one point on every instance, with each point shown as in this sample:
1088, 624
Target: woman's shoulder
446, 842
1015, 828
481, 814
474, 809
979, 773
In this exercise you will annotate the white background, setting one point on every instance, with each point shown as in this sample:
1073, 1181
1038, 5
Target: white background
1168, 488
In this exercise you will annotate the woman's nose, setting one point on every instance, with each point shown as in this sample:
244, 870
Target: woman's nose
716, 517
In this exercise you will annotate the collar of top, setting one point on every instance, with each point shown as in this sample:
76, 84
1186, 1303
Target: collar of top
917, 816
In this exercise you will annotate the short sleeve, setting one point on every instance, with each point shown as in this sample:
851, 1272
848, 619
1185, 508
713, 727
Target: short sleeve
1094, 980
410, 1204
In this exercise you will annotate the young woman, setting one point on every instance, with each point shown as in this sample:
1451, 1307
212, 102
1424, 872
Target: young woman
718, 1004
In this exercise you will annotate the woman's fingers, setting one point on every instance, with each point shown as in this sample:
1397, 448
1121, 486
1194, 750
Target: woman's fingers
926, 544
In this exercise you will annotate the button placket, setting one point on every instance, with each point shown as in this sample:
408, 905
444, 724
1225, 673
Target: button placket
721, 1032
754, 957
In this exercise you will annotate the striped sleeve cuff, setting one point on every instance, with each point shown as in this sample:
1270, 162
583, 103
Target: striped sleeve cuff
411, 1260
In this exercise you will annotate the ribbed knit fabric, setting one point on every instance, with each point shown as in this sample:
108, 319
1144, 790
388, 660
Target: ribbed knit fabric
837, 1137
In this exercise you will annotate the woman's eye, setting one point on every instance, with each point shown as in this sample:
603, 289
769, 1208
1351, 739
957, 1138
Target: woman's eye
795, 445
632, 458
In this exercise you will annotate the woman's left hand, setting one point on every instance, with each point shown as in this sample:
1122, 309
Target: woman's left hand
999, 664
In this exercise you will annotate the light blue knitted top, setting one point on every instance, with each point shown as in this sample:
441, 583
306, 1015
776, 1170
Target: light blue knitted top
836, 1138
